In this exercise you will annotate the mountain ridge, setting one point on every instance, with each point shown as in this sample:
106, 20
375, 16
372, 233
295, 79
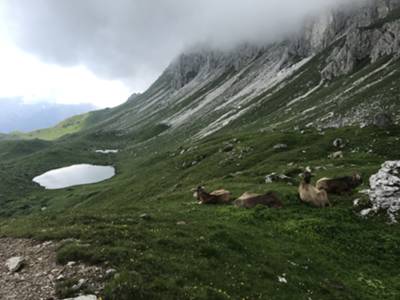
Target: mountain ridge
338, 70
335, 58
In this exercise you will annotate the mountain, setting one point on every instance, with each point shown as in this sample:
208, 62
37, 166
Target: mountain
246, 120
340, 70
15, 115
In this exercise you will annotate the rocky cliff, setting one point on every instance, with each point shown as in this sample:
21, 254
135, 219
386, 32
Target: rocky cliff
340, 69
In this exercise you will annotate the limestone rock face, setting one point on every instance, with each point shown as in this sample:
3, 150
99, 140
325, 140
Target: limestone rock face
387, 41
290, 81
361, 44
385, 189
360, 33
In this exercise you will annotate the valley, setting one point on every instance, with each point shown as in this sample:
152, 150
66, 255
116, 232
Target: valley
248, 119
146, 223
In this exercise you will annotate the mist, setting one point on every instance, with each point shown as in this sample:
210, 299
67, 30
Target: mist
133, 40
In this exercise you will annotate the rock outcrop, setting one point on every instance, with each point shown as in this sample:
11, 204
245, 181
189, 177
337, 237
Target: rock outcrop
385, 190
289, 83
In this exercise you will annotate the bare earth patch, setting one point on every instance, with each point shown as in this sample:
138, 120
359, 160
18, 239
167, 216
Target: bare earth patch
40, 273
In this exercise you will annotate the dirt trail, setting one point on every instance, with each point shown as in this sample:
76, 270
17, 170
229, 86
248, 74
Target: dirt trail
37, 278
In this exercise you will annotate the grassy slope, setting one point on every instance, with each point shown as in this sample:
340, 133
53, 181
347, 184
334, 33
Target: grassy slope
221, 252
69, 126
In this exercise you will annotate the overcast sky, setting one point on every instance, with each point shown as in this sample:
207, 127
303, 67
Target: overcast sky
101, 51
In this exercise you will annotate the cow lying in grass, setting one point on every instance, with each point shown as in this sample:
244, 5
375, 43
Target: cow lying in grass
312, 195
216, 197
250, 200
342, 185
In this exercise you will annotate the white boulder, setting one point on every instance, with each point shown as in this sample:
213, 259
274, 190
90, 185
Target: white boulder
14, 264
384, 192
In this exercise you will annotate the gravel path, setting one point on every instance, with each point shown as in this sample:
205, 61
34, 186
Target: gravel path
38, 276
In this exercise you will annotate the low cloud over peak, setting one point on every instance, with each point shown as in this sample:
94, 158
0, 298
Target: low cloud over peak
133, 40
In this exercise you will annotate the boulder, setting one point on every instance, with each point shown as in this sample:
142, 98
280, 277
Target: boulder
145, 216
274, 177
338, 143
14, 264
384, 192
336, 155
280, 147
383, 120
228, 148
79, 285
110, 273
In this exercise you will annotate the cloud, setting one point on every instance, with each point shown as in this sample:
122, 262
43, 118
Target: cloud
133, 40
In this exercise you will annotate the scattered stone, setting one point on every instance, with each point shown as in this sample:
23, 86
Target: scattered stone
71, 264
282, 279
228, 148
318, 168
280, 147
14, 264
336, 155
274, 177
79, 285
338, 143
384, 192
145, 216
60, 278
366, 212
42, 272
110, 273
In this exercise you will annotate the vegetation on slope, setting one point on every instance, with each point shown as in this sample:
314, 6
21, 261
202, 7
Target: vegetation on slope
186, 251
69, 126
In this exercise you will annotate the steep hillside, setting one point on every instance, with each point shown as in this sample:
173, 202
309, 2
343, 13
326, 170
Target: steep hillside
340, 70
227, 120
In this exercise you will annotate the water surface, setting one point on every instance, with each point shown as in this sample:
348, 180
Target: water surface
74, 175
